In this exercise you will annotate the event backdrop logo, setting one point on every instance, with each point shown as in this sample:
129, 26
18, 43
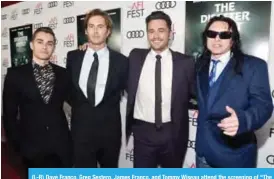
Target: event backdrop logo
134, 34
68, 20
252, 18
65, 60
25, 11
191, 144
20, 38
136, 10
192, 115
5, 47
192, 165
69, 40
37, 25
4, 32
4, 16
53, 23
172, 35
130, 155
52, 4
5, 62
67, 4
38, 8
160, 5
114, 41
14, 14
271, 132
270, 159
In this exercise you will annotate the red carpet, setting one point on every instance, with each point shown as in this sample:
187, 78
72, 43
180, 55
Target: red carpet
11, 165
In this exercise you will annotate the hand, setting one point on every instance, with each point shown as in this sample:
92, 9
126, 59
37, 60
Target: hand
83, 47
230, 125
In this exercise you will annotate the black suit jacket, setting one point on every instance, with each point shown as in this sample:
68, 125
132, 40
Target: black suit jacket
183, 79
105, 118
30, 124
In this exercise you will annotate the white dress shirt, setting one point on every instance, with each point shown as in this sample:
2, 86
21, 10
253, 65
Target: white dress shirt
224, 59
103, 58
144, 108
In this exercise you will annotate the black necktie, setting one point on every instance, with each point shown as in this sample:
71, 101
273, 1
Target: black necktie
92, 79
158, 93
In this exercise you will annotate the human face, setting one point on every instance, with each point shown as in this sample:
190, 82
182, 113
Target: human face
218, 46
97, 31
158, 35
42, 46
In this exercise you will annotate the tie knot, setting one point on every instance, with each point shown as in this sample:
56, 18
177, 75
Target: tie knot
215, 62
95, 55
158, 57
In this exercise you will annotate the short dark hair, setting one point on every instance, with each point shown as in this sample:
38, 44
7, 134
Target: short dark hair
155, 15
98, 12
46, 30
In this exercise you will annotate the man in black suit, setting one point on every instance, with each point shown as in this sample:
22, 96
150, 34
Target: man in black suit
99, 78
159, 87
33, 115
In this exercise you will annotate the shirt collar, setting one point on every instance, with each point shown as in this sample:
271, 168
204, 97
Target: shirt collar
163, 53
34, 64
100, 52
224, 58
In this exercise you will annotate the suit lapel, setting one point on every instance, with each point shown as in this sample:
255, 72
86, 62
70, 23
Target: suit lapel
111, 71
57, 83
203, 82
33, 84
78, 66
176, 72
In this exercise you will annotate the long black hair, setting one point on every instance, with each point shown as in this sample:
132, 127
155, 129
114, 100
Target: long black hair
204, 58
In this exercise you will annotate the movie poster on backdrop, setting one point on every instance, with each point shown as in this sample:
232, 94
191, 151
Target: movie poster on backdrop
20, 51
114, 41
252, 18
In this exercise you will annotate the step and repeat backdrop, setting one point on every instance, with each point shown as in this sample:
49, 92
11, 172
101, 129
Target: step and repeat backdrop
255, 21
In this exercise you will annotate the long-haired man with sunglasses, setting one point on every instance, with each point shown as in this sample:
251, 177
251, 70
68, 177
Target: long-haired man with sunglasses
233, 97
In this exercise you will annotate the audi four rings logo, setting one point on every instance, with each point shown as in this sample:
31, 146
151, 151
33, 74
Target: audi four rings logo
270, 159
68, 20
25, 11
52, 4
271, 132
4, 16
191, 144
135, 34
165, 5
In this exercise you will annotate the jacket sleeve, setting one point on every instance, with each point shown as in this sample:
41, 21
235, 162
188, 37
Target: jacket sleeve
10, 108
69, 98
192, 85
260, 102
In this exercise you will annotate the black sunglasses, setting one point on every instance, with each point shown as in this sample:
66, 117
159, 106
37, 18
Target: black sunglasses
222, 35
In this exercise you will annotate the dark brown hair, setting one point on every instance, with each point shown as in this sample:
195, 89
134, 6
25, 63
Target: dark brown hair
46, 30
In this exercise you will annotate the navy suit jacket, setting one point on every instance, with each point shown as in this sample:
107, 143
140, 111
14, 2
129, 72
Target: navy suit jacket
248, 93
183, 78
